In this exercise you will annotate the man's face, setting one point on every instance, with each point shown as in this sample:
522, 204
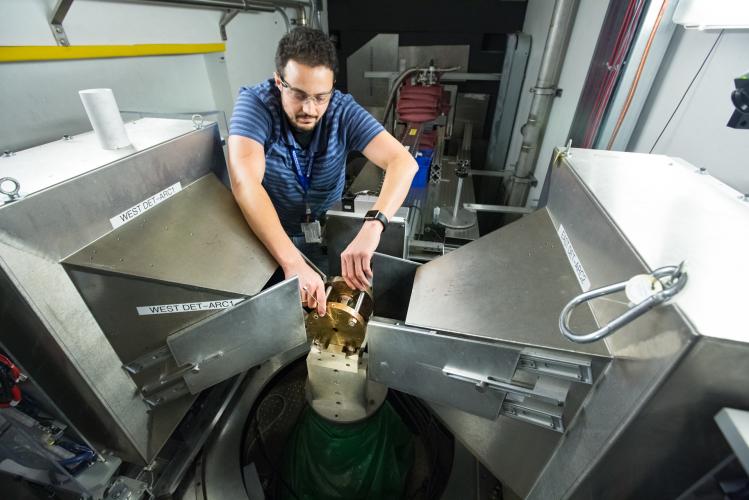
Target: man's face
305, 93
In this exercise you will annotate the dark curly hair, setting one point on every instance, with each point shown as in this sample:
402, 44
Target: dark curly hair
307, 46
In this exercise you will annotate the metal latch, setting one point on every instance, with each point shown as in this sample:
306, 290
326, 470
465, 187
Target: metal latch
670, 280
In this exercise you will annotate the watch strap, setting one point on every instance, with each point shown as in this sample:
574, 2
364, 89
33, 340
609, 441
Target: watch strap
378, 216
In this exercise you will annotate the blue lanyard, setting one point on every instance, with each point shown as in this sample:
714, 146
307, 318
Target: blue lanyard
303, 176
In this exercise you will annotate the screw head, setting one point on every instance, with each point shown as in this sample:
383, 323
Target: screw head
352, 322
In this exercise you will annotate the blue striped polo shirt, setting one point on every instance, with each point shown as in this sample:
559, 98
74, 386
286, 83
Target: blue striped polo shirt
344, 127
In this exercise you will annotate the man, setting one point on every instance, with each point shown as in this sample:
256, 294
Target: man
288, 142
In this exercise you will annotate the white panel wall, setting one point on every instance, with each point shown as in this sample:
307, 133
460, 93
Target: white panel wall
251, 48
585, 32
698, 131
93, 22
40, 100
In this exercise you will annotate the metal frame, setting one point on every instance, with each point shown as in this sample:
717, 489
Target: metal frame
452, 76
508, 99
230, 7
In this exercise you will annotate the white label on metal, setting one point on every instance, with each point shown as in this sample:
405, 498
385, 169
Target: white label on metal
188, 307
145, 205
577, 266
642, 286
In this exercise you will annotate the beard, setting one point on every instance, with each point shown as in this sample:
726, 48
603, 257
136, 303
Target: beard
305, 122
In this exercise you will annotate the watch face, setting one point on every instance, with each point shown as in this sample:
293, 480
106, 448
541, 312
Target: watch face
372, 214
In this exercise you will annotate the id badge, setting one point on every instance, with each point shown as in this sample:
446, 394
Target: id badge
312, 232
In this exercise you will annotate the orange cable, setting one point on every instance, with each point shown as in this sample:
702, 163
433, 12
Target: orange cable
633, 87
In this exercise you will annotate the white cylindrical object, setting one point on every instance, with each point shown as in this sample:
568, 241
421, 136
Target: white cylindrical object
105, 118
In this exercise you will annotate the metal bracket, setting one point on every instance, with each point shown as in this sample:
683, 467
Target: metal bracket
153, 358
562, 153
58, 15
533, 412
226, 18
525, 180
490, 173
550, 391
564, 366
542, 404
555, 91
168, 387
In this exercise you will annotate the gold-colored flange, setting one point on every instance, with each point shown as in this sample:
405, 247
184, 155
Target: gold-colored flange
344, 324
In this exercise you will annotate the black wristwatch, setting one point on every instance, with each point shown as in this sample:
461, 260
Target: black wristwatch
378, 216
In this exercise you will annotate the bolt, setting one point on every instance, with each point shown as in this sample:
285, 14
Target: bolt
352, 322
67, 138
58, 29
196, 369
703, 170
315, 316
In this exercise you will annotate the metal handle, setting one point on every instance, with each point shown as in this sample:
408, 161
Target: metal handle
197, 121
13, 193
674, 282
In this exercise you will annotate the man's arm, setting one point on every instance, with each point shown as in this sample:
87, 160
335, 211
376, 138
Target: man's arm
246, 171
400, 167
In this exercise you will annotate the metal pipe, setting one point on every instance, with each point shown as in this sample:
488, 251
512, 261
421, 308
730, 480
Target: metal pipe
285, 17
302, 15
241, 5
458, 192
544, 92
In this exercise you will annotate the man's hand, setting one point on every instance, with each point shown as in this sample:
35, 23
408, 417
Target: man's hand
355, 260
311, 286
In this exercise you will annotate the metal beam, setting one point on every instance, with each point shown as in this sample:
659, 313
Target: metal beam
450, 76
498, 209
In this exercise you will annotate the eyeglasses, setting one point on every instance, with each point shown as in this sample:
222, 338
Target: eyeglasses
300, 96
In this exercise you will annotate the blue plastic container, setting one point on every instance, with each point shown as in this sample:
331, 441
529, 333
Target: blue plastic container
424, 160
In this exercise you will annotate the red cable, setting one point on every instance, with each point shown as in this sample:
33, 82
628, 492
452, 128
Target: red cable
15, 391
